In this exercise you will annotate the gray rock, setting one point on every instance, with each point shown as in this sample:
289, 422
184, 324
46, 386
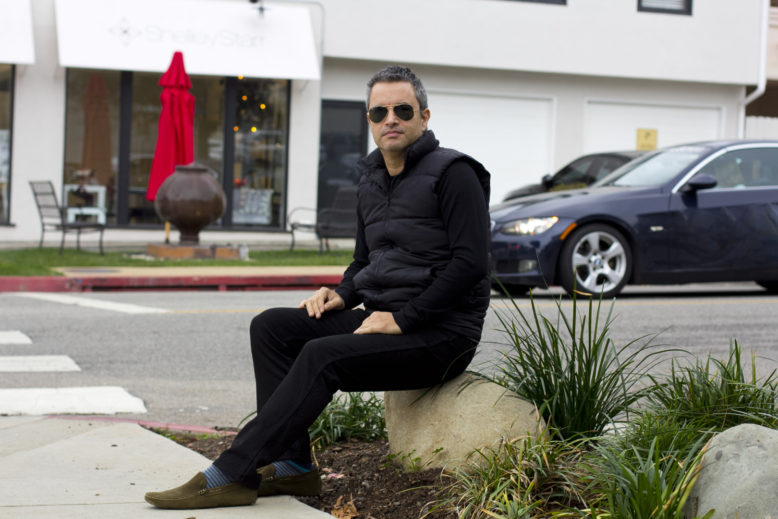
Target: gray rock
442, 426
739, 475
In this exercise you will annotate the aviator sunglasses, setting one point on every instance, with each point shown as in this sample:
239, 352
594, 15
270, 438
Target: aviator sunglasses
403, 111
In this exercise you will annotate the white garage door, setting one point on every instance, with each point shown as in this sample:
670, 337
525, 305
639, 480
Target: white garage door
510, 136
614, 125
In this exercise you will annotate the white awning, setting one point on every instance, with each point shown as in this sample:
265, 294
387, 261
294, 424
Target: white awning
217, 38
16, 41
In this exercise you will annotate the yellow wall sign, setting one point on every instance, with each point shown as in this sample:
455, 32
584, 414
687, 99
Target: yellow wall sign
646, 139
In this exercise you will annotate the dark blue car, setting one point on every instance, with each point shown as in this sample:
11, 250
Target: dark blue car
700, 212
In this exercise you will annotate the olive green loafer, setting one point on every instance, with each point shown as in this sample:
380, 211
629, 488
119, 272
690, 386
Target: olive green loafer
193, 494
305, 484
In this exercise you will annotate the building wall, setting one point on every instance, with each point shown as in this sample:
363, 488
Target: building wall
524, 87
38, 144
716, 44
522, 125
38, 126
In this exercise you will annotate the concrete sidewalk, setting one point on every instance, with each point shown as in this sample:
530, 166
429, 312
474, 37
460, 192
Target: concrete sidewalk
83, 469
85, 279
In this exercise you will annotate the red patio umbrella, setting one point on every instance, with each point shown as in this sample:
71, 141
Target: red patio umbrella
175, 138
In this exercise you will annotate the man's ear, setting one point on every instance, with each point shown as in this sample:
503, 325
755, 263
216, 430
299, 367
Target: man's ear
425, 117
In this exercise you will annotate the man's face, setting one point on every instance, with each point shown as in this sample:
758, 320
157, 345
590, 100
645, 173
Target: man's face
392, 135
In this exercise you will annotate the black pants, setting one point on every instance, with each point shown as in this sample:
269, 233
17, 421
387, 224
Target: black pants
300, 362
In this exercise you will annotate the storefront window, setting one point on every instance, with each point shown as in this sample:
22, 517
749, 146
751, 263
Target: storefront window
259, 169
6, 88
91, 143
240, 132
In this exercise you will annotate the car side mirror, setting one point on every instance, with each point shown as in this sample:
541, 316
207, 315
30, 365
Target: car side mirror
699, 182
546, 180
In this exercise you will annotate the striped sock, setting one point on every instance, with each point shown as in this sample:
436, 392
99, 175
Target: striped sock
215, 477
287, 468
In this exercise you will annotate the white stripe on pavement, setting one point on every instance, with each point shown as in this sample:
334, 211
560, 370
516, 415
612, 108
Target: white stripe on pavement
92, 303
14, 337
27, 363
69, 400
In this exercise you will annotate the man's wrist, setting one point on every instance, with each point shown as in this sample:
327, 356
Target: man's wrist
401, 321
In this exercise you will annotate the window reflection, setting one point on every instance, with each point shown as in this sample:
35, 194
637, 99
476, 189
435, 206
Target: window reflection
208, 92
6, 76
259, 170
343, 143
91, 142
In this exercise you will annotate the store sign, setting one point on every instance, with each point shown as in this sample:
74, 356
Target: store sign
217, 38
16, 40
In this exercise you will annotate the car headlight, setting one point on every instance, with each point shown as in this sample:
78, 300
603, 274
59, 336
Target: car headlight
529, 226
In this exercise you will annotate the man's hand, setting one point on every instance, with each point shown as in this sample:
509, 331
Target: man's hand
379, 322
321, 301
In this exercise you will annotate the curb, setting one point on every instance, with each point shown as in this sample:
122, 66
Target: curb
221, 283
149, 424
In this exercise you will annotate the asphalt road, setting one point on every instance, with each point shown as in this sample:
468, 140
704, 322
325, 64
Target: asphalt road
186, 355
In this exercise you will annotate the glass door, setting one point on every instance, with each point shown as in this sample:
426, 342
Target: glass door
343, 143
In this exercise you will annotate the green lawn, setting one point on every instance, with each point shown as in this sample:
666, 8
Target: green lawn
40, 262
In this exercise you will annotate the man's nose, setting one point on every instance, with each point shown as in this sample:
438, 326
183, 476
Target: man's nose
391, 117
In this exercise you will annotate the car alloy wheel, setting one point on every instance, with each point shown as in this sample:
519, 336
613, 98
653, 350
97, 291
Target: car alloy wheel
596, 259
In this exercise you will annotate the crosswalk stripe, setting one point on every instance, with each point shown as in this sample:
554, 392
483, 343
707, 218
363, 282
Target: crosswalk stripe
13, 337
30, 363
69, 400
126, 308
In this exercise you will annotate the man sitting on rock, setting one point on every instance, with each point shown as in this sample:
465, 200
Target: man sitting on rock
420, 270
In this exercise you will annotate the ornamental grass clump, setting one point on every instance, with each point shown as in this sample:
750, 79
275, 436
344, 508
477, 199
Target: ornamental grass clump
519, 479
645, 484
572, 370
715, 395
354, 416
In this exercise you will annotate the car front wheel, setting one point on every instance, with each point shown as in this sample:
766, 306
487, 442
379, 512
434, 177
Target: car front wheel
595, 259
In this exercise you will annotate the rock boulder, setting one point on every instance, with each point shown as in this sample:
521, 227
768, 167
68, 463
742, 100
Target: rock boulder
739, 475
441, 426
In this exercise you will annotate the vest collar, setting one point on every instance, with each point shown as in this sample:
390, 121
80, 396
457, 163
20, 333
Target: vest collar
413, 154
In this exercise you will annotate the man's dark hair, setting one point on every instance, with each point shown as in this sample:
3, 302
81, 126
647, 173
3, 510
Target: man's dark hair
394, 74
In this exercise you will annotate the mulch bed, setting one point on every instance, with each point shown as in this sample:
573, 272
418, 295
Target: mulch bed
359, 481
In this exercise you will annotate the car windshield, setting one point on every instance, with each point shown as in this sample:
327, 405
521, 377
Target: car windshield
654, 169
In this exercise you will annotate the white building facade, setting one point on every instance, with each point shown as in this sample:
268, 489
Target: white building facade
523, 86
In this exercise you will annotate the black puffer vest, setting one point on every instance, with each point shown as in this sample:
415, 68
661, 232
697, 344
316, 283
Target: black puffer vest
406, 236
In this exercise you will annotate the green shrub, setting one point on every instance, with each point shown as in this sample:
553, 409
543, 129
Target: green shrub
716, 395
355, 416
520, 479
646, 484
579, 379
662, 430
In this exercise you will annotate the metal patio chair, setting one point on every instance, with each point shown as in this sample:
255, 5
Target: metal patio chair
54, 216
337, 221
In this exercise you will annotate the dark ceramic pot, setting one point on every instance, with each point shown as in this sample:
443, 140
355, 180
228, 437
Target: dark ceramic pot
190, 199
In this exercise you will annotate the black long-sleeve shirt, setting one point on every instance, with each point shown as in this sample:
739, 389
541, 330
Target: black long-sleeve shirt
464, 211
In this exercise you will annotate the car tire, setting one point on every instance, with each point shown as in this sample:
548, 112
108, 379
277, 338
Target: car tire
511, 290
770, 286
595, 259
